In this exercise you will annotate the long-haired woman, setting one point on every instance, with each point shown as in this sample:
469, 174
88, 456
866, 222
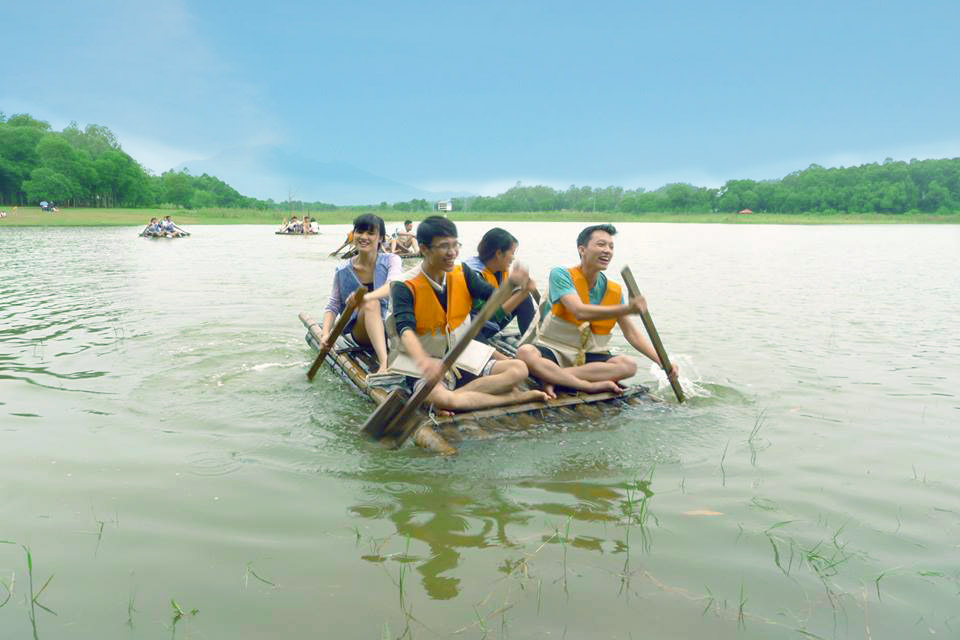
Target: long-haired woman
370, 269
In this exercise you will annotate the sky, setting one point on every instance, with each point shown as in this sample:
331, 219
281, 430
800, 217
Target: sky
365, 101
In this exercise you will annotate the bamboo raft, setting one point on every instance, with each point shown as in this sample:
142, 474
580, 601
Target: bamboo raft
403, 256
294, 233
441, 434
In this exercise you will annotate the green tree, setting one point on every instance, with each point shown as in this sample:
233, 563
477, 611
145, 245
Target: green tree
24, 120
47, 184
176, 188
57, 154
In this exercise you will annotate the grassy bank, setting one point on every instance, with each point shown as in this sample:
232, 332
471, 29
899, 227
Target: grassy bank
33, 216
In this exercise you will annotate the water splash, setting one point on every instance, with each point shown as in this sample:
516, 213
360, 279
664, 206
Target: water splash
690, 378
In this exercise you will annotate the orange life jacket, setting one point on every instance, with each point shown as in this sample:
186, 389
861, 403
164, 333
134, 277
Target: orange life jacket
431, 317
611, 297
491, 277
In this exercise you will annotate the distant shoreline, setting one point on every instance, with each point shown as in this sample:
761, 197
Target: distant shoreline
82, 217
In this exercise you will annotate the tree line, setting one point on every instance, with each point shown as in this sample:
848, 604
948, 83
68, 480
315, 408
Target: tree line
87, 167
930, 186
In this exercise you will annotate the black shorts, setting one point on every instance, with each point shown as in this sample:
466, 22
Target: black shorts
588, 357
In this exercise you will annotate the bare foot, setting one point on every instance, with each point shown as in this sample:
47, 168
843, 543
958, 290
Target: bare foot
544, 396
550, 390
381, 370
519, 397
605, 386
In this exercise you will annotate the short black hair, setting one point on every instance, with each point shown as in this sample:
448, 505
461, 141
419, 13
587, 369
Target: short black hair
496, 239
370, 222
584, 238
408, 222
435, 227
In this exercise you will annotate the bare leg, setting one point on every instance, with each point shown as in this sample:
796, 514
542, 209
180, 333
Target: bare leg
551, 373
373, 322
616, 368
368, 330
464, 400
505, 375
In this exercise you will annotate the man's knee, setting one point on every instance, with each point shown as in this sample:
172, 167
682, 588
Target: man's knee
517, 369
442, 398
528, 352
513, 370
626, 366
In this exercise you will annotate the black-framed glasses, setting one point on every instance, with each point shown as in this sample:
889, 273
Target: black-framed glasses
447, 247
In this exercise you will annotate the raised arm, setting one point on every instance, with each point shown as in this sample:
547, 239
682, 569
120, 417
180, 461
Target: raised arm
519, 296
583, 311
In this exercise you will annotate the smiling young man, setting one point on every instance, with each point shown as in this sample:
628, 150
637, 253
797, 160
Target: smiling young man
431, 311
571, 345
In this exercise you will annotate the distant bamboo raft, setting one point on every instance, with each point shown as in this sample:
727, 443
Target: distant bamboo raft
441, 433
404, 257
155, 237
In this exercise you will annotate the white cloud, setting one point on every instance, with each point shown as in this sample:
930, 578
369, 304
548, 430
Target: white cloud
155, 155
149, 72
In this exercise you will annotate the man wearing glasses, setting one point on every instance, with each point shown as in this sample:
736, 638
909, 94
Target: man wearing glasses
431, 311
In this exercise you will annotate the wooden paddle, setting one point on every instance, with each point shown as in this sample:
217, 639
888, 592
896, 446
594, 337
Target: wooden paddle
340, 248
393, 415
342, 321
652, 332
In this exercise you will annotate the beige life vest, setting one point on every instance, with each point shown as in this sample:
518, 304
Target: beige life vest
569, 339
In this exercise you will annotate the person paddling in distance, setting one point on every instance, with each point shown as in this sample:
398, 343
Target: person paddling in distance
431, 311
153, 228
571, 344
370, 269
404, 241
495, 254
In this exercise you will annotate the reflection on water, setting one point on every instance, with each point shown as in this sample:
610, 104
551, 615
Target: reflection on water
448, 516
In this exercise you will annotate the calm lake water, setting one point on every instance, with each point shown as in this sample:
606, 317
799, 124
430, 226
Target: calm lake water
159, 442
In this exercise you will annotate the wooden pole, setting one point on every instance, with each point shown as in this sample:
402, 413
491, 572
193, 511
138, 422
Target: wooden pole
342, 321
652, 332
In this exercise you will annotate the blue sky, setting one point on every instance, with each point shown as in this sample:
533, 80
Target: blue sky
472, 97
